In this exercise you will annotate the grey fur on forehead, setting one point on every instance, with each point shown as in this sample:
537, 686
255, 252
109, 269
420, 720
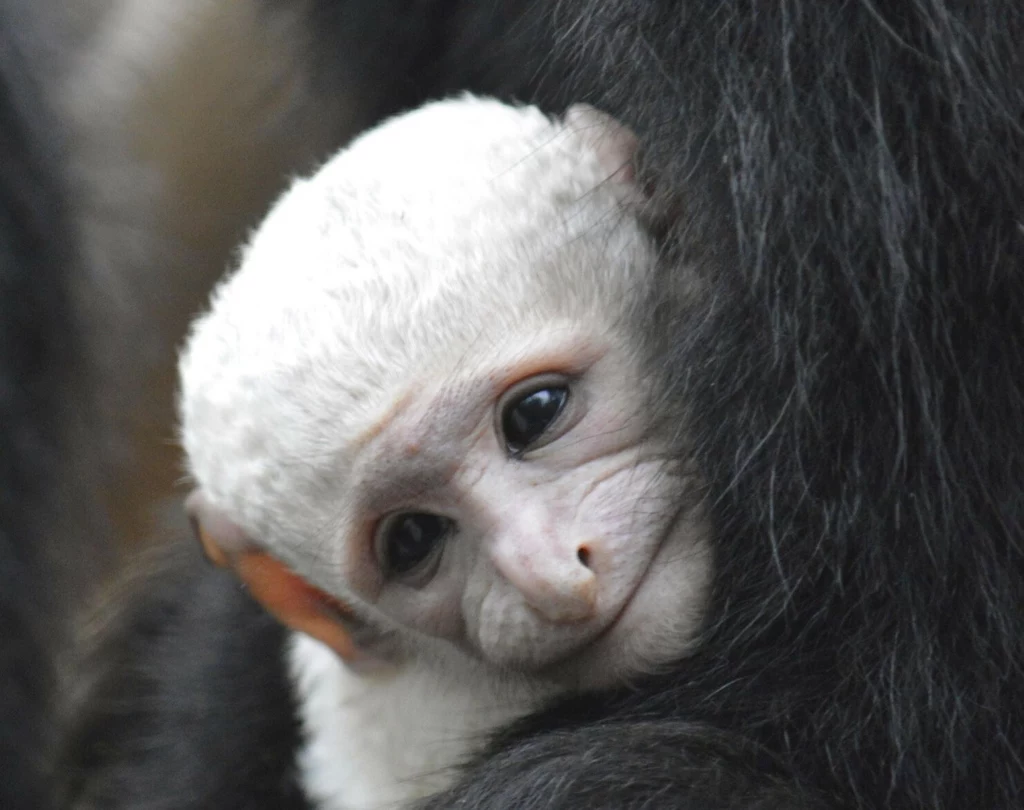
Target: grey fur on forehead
443, 229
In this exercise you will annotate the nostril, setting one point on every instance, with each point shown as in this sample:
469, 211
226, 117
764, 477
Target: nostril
583, 555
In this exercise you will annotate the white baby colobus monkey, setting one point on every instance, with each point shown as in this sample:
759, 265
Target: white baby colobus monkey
416, 418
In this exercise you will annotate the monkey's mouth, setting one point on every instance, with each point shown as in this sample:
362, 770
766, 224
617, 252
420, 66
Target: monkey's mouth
621, 650
575, 662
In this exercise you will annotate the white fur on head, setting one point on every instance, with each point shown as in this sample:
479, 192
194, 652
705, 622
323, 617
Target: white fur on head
438, 231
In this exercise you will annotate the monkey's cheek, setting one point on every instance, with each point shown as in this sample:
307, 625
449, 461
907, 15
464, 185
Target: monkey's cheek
623, 521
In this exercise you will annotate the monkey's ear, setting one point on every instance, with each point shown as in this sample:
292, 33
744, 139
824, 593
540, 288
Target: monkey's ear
220, 538
284, 594
614, 142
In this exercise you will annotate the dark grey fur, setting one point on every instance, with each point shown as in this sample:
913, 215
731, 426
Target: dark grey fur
37, 371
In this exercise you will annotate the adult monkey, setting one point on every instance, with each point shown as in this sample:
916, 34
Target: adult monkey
853, 186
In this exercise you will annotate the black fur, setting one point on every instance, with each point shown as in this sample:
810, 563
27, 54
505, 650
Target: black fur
854, 372
849, 180
35, 360
191, 707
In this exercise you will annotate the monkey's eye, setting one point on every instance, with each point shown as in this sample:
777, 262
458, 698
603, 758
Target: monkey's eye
528, 411
410, 542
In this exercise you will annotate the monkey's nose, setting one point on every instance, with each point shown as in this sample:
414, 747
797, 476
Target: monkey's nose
560, 587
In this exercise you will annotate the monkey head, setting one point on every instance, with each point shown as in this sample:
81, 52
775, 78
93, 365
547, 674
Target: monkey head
416, 414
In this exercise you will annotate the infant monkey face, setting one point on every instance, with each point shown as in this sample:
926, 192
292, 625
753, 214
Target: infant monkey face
435, 426
521, 509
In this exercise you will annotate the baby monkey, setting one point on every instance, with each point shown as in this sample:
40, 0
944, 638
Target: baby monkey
418, 424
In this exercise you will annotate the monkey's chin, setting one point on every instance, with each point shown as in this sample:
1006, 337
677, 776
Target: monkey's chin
658, 622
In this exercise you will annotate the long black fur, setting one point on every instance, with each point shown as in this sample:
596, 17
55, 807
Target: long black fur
848, 181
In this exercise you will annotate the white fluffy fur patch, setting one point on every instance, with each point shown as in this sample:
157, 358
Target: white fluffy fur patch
382, 742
